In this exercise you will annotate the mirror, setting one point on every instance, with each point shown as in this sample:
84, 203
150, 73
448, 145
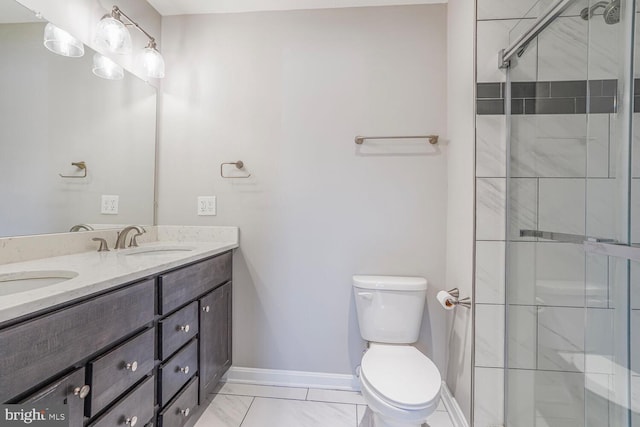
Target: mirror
54, 112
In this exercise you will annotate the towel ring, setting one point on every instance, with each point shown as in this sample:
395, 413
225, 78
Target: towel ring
239, 165
80, 165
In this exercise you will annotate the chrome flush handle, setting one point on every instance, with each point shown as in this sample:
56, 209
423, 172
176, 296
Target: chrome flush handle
366, 295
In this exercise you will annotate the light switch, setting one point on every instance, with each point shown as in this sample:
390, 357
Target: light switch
207, 205
109, 205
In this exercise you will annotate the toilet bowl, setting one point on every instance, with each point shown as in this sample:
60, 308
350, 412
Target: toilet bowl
400, 385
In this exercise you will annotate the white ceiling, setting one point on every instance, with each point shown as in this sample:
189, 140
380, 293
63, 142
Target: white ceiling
188, 7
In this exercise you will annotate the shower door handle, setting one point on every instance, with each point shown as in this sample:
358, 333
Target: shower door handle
615, 250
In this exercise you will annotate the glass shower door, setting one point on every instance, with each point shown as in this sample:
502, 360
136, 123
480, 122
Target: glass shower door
568, 317
607, 341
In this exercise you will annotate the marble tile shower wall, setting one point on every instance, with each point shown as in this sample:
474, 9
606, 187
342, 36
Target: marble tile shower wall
563, 164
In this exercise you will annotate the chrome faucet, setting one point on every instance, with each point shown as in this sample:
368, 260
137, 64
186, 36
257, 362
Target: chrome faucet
79, 227
122, 236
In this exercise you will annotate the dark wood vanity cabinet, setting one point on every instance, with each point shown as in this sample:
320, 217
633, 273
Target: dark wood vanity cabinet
145, 354
31, 351
194, 300
215, 338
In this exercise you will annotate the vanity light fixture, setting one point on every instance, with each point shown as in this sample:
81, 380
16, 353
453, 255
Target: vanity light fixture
106, 68
152, 61
113, 35
61, 42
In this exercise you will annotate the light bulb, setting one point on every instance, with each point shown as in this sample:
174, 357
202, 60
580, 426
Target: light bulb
112, 35
107, 69
60, 42
152, 62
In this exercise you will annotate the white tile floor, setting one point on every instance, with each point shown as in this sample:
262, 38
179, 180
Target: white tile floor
246, 405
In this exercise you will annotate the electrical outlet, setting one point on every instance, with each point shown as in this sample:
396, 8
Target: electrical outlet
207, 205
109, 205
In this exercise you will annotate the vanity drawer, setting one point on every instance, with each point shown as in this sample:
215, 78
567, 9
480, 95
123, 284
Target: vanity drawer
176, 371
134, 409
66, 391
33, 351
182, 408
177, 329
122, 367
186, 284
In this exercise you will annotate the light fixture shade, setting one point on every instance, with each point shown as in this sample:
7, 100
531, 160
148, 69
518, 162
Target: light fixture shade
107, 69
112, 35
152, 62
60, 42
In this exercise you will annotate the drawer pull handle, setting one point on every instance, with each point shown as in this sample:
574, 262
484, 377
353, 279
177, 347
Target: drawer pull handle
132, 366
185, 370
131, 421
206, 308
185, 412
81, 392
184, 328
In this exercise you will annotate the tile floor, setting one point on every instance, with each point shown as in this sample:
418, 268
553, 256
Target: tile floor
246, 405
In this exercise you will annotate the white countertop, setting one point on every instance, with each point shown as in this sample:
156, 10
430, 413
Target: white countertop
99, 271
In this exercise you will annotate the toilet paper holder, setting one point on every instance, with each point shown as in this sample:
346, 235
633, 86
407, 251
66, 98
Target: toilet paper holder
464, 302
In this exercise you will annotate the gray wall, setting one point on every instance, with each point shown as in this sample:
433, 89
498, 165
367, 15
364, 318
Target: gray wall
286, 92
460, 124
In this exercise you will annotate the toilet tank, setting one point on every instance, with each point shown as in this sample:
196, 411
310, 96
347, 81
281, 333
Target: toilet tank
390, 307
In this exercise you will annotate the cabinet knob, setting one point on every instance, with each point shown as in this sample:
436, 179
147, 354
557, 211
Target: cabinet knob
184, 328
81, 392
131, 421
185, 412
206, 308
185, 370
133, 366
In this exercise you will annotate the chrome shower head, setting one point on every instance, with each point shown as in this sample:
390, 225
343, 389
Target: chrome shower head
588, 12
612, 12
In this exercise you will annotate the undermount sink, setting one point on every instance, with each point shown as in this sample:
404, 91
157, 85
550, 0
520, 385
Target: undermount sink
157, 250
13, 283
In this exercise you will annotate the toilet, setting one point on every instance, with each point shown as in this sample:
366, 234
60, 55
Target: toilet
400, 384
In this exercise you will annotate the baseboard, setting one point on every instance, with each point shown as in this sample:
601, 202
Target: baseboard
450, 402
276, 377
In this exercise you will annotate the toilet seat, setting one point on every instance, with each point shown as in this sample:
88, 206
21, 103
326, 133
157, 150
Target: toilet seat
401, 376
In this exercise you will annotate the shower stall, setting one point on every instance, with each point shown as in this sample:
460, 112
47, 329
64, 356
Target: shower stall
572, 336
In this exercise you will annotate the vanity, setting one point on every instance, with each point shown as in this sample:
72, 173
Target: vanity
146, 345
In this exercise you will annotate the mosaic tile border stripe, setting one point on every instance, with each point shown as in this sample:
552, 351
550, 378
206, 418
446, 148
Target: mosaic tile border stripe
553, 97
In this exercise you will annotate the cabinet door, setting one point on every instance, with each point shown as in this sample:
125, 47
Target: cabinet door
215, 338
70, 390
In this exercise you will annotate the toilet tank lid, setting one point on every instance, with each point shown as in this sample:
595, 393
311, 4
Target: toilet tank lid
390, 283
